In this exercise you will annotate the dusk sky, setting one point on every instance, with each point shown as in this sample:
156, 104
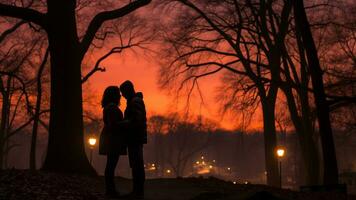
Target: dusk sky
143, 71
142, 67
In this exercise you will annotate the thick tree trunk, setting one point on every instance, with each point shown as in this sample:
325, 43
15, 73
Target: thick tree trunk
270, 141
66, 151
307, 144
322, 108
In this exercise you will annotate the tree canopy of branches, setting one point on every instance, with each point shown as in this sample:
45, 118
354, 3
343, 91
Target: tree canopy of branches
67, 49
260, 47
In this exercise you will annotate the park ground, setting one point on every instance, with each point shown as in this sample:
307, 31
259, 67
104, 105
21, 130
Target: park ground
26, 185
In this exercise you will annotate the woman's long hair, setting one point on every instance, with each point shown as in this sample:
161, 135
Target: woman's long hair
111, 95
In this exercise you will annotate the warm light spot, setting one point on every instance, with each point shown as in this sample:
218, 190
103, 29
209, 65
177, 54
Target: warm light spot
202, 157
204, 171
197, 162
210, 166
168, 171
92, 141
234, 182
280, 152
229, 168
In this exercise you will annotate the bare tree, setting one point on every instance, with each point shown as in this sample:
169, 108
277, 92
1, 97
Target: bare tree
13, 84
322, 108
67, 50
243, 38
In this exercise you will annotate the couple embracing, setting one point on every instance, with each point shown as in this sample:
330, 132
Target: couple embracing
124, 134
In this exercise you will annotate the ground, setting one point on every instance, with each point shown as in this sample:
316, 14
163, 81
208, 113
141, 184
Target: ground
26, 185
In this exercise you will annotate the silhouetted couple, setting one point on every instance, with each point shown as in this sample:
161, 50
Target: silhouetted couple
122, 135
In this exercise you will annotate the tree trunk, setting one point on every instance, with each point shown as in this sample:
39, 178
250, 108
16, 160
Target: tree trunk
66, 151
307, 144
322, 108
270, 141
5, 109
36, 118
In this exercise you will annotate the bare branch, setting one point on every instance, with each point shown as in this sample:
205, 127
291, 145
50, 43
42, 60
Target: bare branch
97, 67
11, 30
100, 18
25, 14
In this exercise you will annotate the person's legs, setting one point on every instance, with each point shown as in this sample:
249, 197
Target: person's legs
137, 167
111, 163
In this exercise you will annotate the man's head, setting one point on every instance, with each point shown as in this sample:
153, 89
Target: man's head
127, 89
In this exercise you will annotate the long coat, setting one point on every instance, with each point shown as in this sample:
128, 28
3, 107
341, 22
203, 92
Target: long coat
112, 138
135, 115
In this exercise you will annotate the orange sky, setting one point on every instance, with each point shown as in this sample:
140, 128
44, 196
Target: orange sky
143, 72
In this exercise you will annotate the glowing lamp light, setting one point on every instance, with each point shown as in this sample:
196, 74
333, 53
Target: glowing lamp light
280, 152
234, 182
229, 168
197, 162
168, 171
92, 141
210, 166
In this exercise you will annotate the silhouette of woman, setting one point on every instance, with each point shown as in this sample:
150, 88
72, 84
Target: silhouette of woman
112, 141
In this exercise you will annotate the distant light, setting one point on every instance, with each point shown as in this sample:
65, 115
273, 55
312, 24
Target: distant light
210, 166
204, 171
229, 168
168, 171
265, 172
214, 161
246, 182
234, 182
197, 162
280, 152
153, 165
92, 141
203, 162
202, 157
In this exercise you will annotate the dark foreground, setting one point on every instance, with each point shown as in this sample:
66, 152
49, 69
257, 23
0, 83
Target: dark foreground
25, 185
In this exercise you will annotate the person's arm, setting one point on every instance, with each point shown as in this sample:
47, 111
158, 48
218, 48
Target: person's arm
115, 118
139, 112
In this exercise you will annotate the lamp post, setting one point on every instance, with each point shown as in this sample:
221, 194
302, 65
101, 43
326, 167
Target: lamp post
280, 151
92, 142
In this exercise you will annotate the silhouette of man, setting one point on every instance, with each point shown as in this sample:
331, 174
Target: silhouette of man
135, 116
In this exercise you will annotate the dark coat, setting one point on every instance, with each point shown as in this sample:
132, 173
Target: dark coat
135, 115
112, 138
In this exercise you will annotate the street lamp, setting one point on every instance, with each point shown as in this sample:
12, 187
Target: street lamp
92, 142
280, 151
